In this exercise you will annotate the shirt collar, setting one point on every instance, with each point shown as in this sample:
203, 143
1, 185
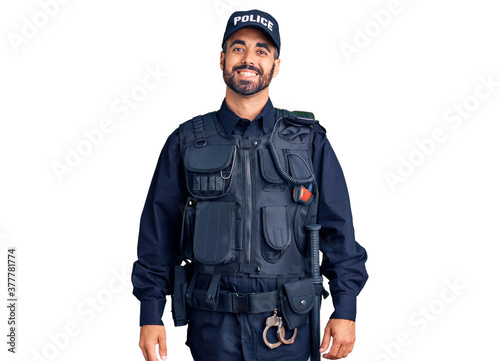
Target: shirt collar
228, 118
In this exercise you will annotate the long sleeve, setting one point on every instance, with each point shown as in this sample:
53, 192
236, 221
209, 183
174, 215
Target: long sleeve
158, 244
343, 258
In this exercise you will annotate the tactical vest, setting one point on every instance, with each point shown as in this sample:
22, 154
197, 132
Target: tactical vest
244, 214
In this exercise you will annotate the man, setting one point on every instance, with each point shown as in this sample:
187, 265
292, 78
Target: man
231, 195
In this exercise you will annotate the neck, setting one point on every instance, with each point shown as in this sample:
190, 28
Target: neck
247, 107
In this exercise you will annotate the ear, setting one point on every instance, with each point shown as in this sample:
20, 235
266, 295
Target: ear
222, 57
277, 63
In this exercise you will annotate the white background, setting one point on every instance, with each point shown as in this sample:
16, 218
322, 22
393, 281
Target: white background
76, 237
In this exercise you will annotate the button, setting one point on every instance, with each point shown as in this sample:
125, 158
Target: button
210, 297
255, 143
257, 269
303, 302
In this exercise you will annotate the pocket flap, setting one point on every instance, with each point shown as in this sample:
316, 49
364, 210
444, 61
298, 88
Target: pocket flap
276, 227
207, 159
300, 295
267, 167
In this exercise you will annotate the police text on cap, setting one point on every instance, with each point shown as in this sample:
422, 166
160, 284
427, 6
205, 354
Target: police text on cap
250, 18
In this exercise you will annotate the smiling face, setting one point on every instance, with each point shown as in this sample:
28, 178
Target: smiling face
248, 63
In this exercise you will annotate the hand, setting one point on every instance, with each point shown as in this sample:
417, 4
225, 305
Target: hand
344, 335
150, 336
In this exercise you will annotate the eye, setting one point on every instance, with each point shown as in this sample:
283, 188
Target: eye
237, 49
262, 52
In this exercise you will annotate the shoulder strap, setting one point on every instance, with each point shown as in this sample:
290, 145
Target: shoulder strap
297, 117
280, 113
301, 118
198, 129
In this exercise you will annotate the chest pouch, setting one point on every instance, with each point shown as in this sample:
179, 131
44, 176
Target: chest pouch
209, 169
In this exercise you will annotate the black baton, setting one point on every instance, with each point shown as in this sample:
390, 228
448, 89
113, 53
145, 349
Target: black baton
313, 237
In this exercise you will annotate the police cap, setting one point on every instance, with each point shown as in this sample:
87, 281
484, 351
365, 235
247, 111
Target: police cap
253, 19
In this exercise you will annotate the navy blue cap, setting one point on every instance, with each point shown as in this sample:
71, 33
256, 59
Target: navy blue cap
253, 19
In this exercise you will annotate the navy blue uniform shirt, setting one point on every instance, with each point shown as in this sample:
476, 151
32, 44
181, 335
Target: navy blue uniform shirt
152, 276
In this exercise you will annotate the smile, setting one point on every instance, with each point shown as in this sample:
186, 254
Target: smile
247, 74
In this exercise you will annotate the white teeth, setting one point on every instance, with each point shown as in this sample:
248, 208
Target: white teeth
245, 73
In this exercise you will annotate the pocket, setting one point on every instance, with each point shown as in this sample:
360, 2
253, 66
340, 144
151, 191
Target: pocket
276, 231
299, 228
188, 219
267, 167
271, 180
209, 169
213, 240
297, 301
298, 162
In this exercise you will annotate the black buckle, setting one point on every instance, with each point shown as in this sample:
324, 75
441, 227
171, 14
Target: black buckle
241, 302
200, 143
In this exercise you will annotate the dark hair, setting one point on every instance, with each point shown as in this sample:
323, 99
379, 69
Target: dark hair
224, 49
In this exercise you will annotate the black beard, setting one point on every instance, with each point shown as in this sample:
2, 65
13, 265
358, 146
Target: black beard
246, 87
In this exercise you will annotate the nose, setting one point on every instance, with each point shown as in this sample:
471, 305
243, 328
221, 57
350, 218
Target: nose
248, 59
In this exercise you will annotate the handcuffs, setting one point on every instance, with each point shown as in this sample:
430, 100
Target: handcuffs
275, 321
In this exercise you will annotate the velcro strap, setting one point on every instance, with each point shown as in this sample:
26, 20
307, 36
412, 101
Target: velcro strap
190, 288
213, 290
198, 132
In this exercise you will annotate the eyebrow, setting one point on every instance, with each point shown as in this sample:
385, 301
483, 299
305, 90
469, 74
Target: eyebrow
241, 42
264, 45
260, 45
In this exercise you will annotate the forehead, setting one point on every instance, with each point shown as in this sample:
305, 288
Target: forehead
250, 35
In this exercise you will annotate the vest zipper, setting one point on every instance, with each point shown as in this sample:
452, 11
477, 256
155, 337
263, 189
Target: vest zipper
248, 227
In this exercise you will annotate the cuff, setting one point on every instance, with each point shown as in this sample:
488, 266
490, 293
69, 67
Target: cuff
345, 307
152, 311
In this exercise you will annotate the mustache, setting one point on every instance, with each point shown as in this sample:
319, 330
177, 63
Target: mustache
247, 67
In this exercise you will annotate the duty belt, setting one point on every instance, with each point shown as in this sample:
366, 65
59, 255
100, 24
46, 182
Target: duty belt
234, 302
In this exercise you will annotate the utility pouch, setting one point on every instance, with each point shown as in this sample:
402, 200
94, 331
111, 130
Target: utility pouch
277, 235
209, 170
214, 233
296, 301
180, 310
